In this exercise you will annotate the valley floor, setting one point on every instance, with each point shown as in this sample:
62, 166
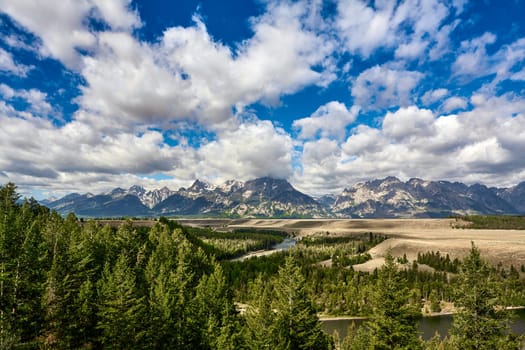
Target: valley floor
406, 236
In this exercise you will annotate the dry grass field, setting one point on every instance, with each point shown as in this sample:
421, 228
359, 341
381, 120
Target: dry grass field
406, 236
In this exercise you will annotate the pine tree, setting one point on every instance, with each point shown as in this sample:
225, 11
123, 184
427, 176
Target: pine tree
296, 325
259, 315
482, 321
394, 320
121, 312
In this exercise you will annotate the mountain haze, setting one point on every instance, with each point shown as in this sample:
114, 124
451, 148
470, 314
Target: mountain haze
268, 197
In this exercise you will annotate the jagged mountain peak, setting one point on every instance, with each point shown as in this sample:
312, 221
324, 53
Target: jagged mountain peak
136, 189
269, 197
199, 185
391, 197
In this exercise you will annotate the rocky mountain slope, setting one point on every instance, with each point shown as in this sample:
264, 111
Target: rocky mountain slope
391, 197
267, 197
263, 197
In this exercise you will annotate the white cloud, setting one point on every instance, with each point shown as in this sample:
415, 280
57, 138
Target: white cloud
63, 28
364, 139
408, 122
459, 5
442, 44
116, 13
8, 65
454, 103
365, 28
35, 98
505, 63
189, 76
380, 87
125, 83
411, 50
329, 120
254, 72
473, 58
482, 145
432, 96
134, 88
60, 27
253, 150
518, 75
362, 28
485, 153
321, 160
18, 42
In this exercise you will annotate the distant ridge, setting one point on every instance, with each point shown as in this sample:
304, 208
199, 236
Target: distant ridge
269, 197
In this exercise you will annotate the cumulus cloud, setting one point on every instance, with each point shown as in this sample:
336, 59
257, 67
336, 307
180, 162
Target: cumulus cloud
481, 145
408, 122
189, 76
364, 27
77, 148
329, 120
483, 156
63, 29
124, 82
473, 58
364, 139
8, 64
253, 72
454, 103
254, 149
474, 61
432, 96
135, 95
116, 13
35, 98
411, 50
442, 45
381, 87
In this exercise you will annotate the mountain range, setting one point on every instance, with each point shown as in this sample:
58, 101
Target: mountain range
268, 197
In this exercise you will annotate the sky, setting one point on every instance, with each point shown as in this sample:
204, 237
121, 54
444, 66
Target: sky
98, 94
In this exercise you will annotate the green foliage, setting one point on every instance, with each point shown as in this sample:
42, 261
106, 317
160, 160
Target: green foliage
439, 262
394, 319
122, 309
228, 245
482, 322
281, 315
296, 323
493, 222
259, 316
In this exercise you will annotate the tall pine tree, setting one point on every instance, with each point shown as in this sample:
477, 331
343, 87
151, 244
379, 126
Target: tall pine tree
482, 321
296, 325
393, 324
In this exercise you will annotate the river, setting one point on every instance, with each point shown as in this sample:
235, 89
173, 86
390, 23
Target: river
286, 244
427, 325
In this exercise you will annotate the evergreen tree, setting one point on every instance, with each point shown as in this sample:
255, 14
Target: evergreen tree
482, 321
121, 312
259, 315
393, 324
215, 309
296, 325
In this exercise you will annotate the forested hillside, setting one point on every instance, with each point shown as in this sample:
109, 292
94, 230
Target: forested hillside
65, 284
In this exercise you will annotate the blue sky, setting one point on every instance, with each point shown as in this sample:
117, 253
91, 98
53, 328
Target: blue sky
96, 94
